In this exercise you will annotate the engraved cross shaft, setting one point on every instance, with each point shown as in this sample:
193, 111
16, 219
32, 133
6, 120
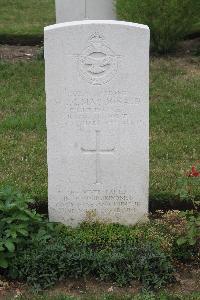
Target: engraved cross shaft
98, 152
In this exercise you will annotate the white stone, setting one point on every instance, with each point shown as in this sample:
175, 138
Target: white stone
76, 10
97, 82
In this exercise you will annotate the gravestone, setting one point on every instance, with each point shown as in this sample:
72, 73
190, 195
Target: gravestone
97, 85
76, 10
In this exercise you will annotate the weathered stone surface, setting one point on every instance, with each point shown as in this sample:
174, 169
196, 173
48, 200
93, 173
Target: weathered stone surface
77, 10
97, 86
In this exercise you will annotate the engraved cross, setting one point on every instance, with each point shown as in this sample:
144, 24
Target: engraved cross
98, 152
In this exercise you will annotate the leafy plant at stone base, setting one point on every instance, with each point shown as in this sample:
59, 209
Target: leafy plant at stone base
169, 20
187, 185
191, 237
18, 224
108, 252
192, 234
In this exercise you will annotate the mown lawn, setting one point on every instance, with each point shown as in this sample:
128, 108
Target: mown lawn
25, 18
22, 129
174, 122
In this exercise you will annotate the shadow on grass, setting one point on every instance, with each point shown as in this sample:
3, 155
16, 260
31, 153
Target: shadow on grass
21, 40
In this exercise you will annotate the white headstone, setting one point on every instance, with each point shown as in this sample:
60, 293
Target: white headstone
76, 10
97, 86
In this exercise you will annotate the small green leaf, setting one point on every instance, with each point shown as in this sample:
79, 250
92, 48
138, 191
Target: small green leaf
23, 231
3, 263
181, 241
192, 242
10, 246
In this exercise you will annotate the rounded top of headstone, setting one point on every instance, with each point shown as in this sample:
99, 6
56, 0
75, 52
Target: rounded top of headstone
92, 22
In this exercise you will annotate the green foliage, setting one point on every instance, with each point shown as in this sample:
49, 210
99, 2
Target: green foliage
185, 253
117, 258
192, 234
18, 224
189, 240
140, 261
169, 20
185, 190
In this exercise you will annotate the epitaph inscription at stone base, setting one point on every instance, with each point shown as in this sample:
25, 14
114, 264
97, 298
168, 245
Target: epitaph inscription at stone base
97, 121
77, 10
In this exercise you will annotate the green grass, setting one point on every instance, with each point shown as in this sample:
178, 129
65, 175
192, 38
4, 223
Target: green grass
25, 18
174, 122
22, 129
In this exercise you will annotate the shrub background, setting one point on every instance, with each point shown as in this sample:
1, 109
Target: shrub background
169, 20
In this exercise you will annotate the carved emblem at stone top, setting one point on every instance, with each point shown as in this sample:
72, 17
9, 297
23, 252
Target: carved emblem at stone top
98, 62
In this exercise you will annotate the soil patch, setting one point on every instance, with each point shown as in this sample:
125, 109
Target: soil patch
18, 53
23, 52
189, 47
